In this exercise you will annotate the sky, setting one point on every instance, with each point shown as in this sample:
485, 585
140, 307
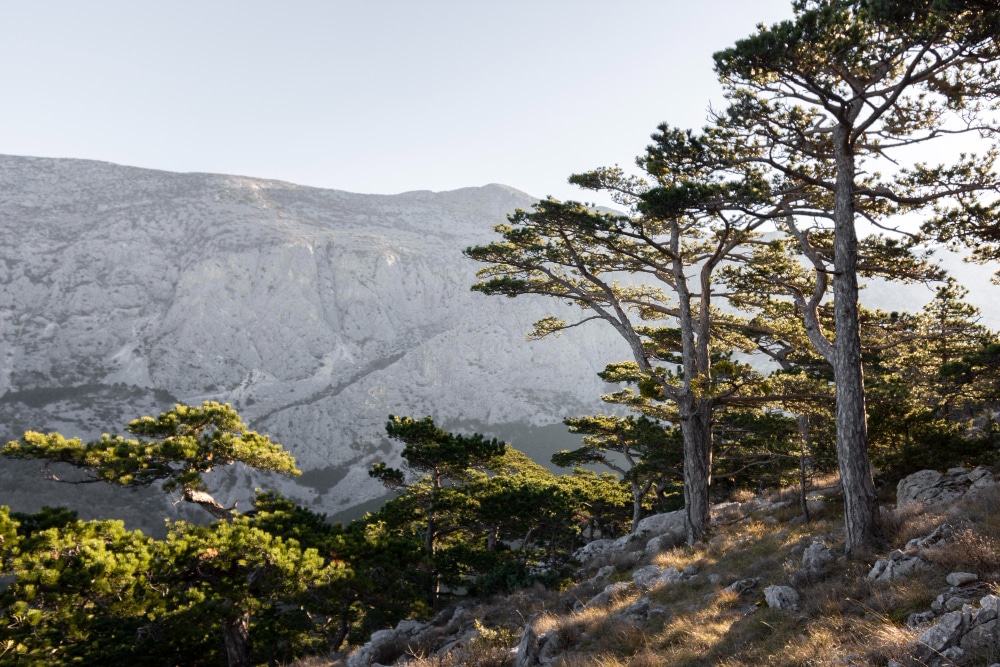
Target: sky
372, 97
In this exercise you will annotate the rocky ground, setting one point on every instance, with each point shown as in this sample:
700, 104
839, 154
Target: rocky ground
767, 588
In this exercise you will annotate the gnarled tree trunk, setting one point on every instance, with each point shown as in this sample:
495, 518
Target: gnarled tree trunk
239, 649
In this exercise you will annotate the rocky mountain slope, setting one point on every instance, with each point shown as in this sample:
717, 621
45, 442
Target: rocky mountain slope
769, 587
316, 313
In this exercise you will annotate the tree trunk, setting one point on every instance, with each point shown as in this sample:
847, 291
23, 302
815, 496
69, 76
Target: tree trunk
637, 493
860, 501
805, 446
696, 427
239, 650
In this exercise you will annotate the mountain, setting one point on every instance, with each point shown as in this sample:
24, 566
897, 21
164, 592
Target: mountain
316, 313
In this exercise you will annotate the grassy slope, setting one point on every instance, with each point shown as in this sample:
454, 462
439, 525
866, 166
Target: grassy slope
843, 619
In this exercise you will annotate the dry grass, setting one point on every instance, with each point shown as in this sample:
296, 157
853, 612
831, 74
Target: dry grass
969, 551
842, 618
902, 525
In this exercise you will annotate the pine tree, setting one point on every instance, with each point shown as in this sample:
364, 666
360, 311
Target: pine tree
185, 443
828, 100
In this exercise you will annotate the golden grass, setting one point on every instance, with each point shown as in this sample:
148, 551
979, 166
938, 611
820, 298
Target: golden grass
842, 619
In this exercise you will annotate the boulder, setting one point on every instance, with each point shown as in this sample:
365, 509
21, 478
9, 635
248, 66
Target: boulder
660, 543
609, 592
956, 603
982, 637
816, 557
782, 597
666, 524
725, 512
961, 578
593, 549
603, 574
898, 565
932, 489
981, 481
952, 656
385, 646
528, 649
990, 602
944, 634
637, 612
652, 576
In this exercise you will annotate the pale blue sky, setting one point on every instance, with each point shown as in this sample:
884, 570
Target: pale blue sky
368, 97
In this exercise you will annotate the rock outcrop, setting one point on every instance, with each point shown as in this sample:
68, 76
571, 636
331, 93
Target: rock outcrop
932, 489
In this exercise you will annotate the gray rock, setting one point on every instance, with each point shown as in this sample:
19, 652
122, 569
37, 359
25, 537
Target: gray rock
667, 524
932, 489
384, 646
990, 602
652, 576
609, 592
945, 633
898, 565
984, 616
593, 549
929, 488
816, 505
603, 574
723, 513
782, 597
936, 536
982, 637
742, 586
637, 612
956, 603
645, 576
954, 655
528, 649
549, 647
981, 482
918, 619
961, 578
660, 543
816, 557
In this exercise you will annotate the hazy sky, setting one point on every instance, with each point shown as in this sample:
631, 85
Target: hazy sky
362, 96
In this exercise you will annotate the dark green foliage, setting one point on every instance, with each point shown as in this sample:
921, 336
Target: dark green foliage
488, 518
185, 443
650, 456
92, 592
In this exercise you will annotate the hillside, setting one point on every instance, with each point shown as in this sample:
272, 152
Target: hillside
767, 588
316, 313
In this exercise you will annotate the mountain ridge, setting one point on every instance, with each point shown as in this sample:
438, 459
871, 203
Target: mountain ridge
315, 312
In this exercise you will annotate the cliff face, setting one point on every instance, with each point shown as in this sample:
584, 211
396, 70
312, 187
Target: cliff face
316, 313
